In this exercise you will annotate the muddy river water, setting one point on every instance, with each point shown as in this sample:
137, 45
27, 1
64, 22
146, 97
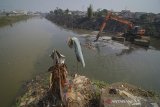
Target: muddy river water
25, 48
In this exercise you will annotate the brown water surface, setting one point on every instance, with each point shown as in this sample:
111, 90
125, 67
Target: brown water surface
25, 47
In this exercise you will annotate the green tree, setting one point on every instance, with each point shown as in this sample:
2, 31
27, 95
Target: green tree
67, 11
51, 12
144, 17
90, 12
100, 13
58, 11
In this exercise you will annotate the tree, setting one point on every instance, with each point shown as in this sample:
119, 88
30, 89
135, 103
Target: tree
51, 12
100, 13
104, 12
58, 11
90, 12
7, 14
67, 11
144, 17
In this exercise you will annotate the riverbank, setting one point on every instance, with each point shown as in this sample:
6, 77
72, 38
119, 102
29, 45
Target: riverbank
75, 21
86, 93
9, 20
94, 23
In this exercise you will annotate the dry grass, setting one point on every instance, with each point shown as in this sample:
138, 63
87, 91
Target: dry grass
7, 20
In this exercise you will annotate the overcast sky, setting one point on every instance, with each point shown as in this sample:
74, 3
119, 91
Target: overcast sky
115, 5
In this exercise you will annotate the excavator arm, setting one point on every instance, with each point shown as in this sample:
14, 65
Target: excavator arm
103, 25
130, 24
110, 16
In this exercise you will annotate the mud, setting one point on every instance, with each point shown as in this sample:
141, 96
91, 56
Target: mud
83, 92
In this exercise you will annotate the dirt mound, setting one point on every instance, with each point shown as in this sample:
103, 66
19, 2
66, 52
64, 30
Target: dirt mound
126, 95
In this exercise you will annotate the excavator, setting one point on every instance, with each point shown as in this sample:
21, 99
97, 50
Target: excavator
133, 32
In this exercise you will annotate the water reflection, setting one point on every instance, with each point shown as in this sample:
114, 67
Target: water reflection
11, 25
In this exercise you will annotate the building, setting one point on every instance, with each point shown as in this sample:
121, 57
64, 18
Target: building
137, 15
79, 13
126, 14
157, 18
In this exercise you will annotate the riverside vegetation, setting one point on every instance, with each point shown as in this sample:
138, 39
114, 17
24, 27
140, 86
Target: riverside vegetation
9, 20
92, 21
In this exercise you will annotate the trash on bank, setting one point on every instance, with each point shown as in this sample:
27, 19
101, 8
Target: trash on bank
58, 75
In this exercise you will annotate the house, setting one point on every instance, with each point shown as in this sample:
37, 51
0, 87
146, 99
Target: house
30, 13
137, 15
157, 18
79, 13
126, 14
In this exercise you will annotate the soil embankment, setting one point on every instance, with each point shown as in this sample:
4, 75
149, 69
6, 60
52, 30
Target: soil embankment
83, 92
83, 22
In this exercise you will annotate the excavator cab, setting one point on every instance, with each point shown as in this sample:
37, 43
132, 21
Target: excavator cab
135, 32
138, 31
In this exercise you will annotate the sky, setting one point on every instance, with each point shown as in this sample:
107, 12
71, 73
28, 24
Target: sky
115, 5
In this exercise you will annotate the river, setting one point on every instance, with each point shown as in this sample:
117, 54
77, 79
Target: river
26, 45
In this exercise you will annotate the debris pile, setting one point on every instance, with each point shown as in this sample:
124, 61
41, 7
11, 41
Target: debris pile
82, 92
103, 42
126, 95
79, 92
35, 90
